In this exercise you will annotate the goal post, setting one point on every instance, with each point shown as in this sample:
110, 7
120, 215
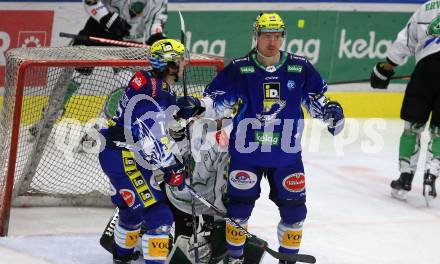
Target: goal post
51, 98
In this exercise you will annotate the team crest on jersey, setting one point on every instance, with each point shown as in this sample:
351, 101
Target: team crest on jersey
294, 68
242, 180
290, 85
271, 94
138, 81
128, 196
295, 182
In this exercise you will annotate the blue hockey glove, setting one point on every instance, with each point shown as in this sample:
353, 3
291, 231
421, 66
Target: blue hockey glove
188, 107
175, 175
380, 77
334, 117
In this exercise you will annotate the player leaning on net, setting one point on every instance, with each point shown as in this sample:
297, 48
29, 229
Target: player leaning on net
136, 145
419, 38
140, 21
267, 87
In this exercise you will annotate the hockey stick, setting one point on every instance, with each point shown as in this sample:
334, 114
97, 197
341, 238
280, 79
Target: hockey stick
104, 40
107, 238
278, 255
403, 77
188, 138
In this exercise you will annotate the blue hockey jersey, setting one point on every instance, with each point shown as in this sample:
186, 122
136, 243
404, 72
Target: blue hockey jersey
144, 110
265, 103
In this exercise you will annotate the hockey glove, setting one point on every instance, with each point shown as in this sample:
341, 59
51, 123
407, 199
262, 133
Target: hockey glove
188, 107
116, 26
177, 134
155, 37
334, 117
175, 175
380, 77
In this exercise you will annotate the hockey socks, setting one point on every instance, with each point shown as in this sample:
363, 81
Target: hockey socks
289, 237
125, 240
155, 248
236, 238
409, 147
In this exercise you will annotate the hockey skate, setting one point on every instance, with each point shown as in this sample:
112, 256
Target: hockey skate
429, 191
402, 186
127, 259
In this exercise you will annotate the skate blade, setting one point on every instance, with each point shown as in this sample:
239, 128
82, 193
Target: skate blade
399, 194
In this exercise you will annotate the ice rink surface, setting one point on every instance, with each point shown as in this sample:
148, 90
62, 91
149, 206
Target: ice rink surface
351, 217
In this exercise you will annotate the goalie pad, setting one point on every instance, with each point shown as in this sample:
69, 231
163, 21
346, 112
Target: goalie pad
212, 247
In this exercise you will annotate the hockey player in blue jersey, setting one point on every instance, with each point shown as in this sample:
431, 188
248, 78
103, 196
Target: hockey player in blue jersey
136, 146
264, 92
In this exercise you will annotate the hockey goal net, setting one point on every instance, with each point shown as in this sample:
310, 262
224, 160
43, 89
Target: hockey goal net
51, 96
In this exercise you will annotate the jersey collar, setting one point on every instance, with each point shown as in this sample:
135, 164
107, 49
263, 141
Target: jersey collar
273, 68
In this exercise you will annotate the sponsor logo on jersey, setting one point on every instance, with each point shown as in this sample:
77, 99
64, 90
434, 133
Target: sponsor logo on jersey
294, 68
137, 179
290, 85
247, 69
128, 196
271, 78
153, 87
242, 180
267, 138
271, 94
271, 68
138, 81
271, 91
165, 87
295, 182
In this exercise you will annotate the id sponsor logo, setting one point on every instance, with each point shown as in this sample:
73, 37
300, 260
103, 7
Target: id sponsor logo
242, 180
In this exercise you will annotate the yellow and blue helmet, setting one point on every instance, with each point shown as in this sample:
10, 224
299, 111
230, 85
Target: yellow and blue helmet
166, 52
269, 22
